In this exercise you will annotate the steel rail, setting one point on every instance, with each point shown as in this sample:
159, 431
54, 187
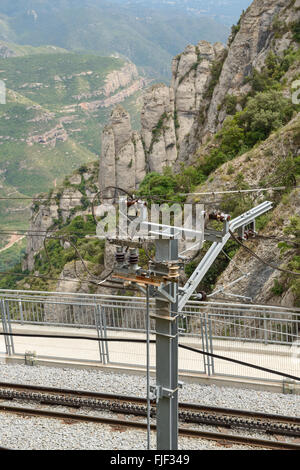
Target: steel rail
69, 418
127, 404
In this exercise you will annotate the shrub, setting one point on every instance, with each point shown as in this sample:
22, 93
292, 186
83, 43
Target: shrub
296, 31
230, 102
278, 289
264, 113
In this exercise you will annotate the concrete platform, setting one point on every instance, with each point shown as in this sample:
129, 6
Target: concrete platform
132, 356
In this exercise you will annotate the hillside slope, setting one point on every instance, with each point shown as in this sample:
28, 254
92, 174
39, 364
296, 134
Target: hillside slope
226, 122
9, 49
57, 104
273, 163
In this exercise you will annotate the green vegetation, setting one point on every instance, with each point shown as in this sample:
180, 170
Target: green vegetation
296, 31
50, 261
230, 103
19, 50
10, 281
54, 80
273, 72
264, 113
288, 281
286, 173
159, 129
168, 185
10, 257
277, 289
176, 122
279, 27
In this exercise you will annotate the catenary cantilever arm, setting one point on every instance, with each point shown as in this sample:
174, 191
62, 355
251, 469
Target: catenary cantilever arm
215, 249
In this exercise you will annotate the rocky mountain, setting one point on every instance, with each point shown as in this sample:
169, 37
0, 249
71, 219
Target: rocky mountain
226, 121
56, 106
209, 82
167, 118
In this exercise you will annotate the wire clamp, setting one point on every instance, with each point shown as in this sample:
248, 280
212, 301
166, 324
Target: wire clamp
158, 392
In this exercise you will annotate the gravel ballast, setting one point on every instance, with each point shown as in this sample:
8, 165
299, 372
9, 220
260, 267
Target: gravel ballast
41, 433
135, 385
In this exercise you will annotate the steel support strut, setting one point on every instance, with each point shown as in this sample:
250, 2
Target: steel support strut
167, 352
215, 249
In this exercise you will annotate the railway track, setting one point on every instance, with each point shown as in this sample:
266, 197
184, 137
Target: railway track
188, 412
116, 424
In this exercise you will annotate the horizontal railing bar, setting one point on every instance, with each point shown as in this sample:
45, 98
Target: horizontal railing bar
142, 299
243, 318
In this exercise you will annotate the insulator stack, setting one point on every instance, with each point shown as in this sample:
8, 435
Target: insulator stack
120, 255
249, 234
133, 256
174, 272
220, 216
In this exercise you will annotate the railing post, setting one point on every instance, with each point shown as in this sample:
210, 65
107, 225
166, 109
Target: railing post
21, 312
208, 343
100, 323
9, 342
211, 344
203, 343
105, 343
11, 339
265, 330
4, 326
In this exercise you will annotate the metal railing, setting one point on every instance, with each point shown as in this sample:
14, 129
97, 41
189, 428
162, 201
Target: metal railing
242, 329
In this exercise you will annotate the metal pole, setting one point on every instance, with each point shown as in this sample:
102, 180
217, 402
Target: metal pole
148, 368
167, 350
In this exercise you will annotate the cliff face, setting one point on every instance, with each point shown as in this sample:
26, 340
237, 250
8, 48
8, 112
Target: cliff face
256, 38
122, 162
168, 117
63, 203
193, 76
176, 120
